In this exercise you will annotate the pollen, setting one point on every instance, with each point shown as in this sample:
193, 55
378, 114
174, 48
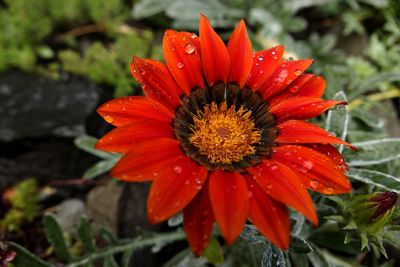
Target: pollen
223, 134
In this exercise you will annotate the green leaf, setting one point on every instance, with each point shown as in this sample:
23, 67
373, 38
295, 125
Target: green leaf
100, 167
110, 262
272, 257
87, 143
317, 259
337, 121
373, 82
213, 252
85, 234
298, 260
126, 257
25, 258
146, 8
374, 152
376, 178
55, 237
108, 235
299, 245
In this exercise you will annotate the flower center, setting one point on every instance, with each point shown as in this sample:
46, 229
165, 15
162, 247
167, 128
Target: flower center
223, 134
225, 127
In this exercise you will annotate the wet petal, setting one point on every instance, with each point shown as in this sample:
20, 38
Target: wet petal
302, 108
268, 215
228, 193
331, 152
124, 138
174, 188
198, 220
124, 110
295, 89
214, 55
146, 159
241, 55
316, 170
156, 81
283, 184
265, 63
283, 76
301, 132
182, 54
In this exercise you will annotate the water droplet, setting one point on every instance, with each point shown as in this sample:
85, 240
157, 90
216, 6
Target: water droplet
269, 186
187, 182
328, 190
294, 89
273, 52
189, 48
178, 169
193, 36
260, 58
274, 167
108, 119
180, 65
261, 71
308, 164
314, 184
297, 72
155, 174
290, 59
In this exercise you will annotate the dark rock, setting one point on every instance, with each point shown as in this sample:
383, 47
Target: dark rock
46, 159
32, 105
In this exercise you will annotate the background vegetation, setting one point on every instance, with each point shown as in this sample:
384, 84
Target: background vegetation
356, 45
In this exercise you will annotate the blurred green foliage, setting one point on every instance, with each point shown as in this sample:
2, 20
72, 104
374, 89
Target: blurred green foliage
43, 36
356, 47
24, 201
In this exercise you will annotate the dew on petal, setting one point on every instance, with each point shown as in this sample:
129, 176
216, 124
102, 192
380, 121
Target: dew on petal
189, 49
180, 65
297, 72
178, 169
328, 190
308, 164
314, 184
261, 71
274, 167
294, 89
260, 58
108, 119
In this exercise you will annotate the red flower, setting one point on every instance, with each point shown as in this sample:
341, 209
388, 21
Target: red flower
221, 133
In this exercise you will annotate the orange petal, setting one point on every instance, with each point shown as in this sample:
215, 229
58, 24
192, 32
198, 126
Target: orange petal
302, 108
124, 138
316, 170
176, 185
156, 81
182, 54
241, 55
283, 184
214, 55
264, 64
198, 220
228, 193
124, 110
301, 132
268, 215
146, 159
283, 76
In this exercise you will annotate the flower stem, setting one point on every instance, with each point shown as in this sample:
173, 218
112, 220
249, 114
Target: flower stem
128, 245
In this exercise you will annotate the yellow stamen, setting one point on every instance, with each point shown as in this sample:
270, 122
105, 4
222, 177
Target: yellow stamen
224, 135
